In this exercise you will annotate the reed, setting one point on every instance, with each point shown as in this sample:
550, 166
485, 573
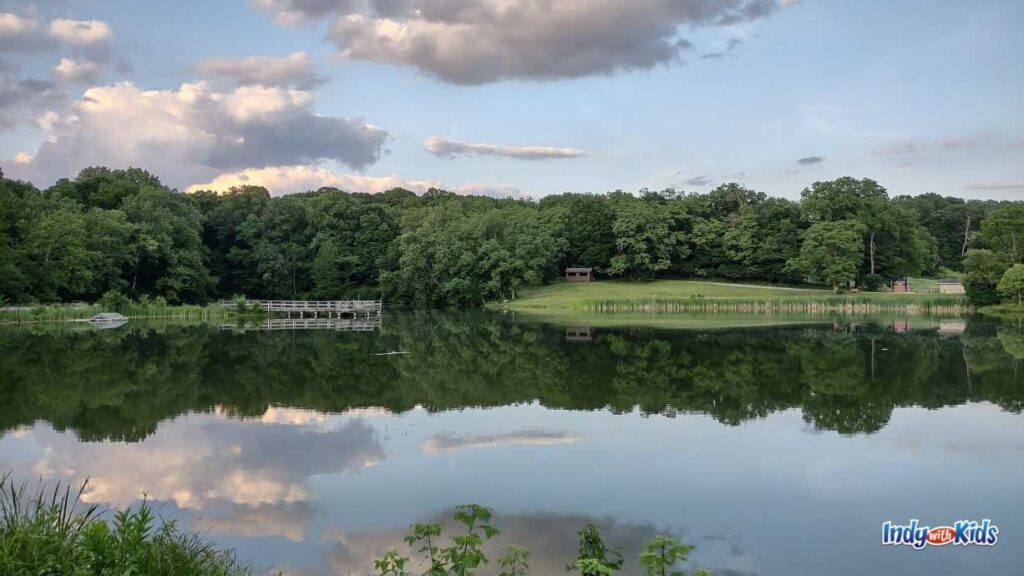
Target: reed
842, 305
51, 531
72, 312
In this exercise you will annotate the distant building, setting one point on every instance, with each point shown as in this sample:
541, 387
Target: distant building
901, 326
901, 286
952, 327
579, 334
951, 286
579, 274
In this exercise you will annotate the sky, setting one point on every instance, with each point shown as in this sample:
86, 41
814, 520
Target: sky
518, 97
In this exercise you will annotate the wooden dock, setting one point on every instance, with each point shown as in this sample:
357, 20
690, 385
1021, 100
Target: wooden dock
337, 324
329, 308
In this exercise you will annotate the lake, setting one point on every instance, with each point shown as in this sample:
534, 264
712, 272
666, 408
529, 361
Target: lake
775, 450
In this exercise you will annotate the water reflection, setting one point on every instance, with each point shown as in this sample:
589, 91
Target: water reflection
776, 450
207, 460
551, 539
118, 386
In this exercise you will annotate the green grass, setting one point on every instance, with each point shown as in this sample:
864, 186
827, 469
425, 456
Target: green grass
924, 285
51, 532
674, 296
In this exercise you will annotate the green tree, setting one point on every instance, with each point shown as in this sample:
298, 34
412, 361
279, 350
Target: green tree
56, 254
581, 227
1011, 285
1003, 231
983, 269
169, 252
831, 252
644, 239
894, 242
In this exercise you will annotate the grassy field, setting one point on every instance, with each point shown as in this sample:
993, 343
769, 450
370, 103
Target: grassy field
702, 296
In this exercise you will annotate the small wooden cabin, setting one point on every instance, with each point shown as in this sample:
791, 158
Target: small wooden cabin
901, 286
951, 286
579, 274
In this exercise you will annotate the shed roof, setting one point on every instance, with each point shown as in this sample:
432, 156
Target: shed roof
579, 269
949, 281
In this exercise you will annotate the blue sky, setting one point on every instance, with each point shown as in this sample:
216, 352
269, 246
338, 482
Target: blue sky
921, 96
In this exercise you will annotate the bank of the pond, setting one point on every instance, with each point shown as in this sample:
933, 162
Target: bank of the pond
679, 296
73, 312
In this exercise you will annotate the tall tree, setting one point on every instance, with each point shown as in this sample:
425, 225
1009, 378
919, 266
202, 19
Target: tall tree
169, 247
1003, 231
831, 252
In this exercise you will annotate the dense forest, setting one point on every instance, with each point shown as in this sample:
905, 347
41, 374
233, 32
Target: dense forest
122, 231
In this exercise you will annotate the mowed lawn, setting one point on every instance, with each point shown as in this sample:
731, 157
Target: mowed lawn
563, 295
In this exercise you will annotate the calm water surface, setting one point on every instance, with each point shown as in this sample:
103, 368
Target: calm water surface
774, 450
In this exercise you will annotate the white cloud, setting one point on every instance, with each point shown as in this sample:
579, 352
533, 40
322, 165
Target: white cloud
80, 32
13, 25
490, 40
21, 34
477, 189
450, 149
23, 158
76, 71
194, 133
204, 461
281, 180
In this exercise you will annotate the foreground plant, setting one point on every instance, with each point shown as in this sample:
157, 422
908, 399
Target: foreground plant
48, 533
461, 558
464, 555
594, 558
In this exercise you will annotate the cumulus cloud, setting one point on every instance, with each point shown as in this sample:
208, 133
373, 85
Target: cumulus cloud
450, 149
491, 40
195, 133
21, 34
810, 160
207, 461
478, 189
87, 40
281, 180
76, 71
80, 32
291, 12
293, 70
698, 181
25, 98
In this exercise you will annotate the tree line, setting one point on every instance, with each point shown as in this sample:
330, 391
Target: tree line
123, 231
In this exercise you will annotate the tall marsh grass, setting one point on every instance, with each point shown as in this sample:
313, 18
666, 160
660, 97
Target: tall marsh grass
72, 312
923, 305
50, 531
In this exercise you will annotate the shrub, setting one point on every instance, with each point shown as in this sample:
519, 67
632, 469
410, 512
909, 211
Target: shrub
114, 300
